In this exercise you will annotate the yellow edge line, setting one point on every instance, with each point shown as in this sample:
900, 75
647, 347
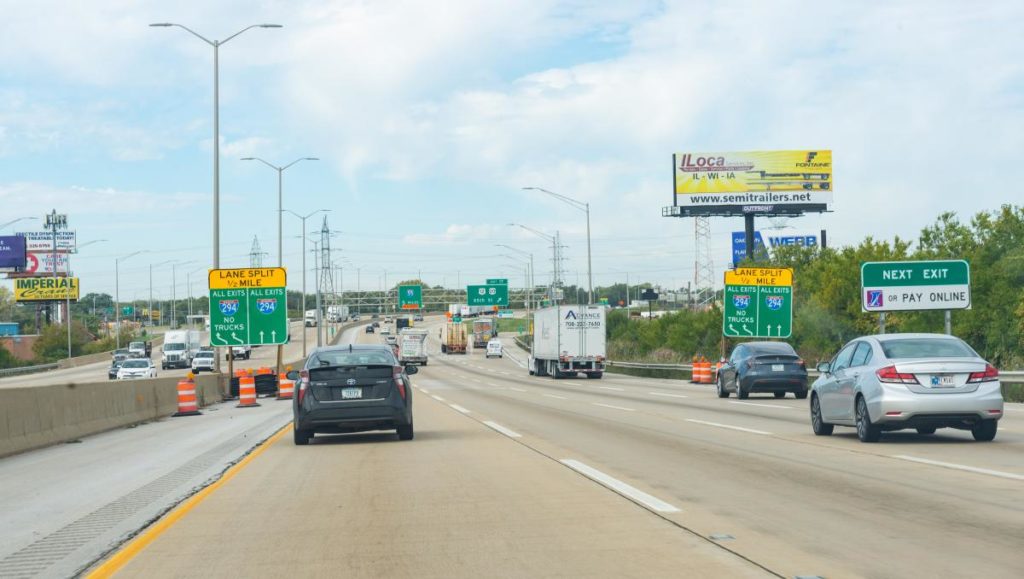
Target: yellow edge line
140, 542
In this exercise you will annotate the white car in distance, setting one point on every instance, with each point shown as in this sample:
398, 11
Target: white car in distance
204, 360
134, 368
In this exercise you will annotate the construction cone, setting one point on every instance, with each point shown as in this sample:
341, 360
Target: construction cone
695, 371
247, 392
285, 387
187, 405
706, 376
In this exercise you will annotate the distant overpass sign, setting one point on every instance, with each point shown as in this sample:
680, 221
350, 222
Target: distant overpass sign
487, 295
410, 297
248, 306
894, 286
758, 303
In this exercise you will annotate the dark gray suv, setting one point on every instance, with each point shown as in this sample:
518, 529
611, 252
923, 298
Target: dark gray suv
352, 388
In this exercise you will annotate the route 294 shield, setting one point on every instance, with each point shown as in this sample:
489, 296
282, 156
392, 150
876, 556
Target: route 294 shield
741, 302
266, 305
773, 302
228, 307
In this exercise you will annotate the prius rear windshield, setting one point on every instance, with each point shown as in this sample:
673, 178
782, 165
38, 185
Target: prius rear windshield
352, 358
927, 348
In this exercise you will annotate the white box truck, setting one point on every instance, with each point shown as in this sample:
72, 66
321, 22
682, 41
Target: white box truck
568, 340
412, 346
180, 346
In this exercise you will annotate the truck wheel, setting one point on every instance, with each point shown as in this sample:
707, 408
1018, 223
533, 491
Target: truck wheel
595, 375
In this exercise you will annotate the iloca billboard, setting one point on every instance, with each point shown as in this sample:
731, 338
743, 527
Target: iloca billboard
12, 251
764, 182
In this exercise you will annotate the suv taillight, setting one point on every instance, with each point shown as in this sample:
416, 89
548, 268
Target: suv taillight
990, 374
303, 382
399, 383
891, 376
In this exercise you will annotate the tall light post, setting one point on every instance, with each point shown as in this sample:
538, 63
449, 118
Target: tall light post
531, 280
151, 266
302, 314
68, 294
216, 44
174, 285
280, 196
188, 282
526, 266
117, 293
554, 248
12, 222
585, 207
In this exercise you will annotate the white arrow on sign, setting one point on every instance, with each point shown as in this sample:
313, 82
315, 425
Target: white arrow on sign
261, 336
273, 336
220, 338
778, 330
747, 330
769, 330
733, 330
240, 340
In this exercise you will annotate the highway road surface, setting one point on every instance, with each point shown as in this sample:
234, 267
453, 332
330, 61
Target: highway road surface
515, 476
97, 372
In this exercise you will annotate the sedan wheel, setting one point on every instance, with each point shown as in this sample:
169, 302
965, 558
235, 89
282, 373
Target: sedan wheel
740, 392
926, 430
818, 424
866, 431
720, 387
780, 394
985, 430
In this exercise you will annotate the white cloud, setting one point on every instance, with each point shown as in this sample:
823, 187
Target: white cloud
90, 201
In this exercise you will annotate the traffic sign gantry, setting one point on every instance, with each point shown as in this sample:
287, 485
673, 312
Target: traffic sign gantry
248, 306
487, 295
497, 281
893, 286
758, 303
410, 297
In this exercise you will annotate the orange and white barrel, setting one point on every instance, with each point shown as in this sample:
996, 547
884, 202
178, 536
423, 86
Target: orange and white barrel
247, 392
188, 404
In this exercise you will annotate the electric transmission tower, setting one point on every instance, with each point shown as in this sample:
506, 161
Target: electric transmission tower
256, 253
326, 287
703, 267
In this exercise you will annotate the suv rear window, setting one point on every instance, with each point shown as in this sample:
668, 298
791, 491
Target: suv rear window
927, 348
353, 358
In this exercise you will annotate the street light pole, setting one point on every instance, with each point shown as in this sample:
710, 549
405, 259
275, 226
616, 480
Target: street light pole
554, 248
585, 207
12, 222
117, 294
280, 196
216, 44
174, 285
302, 314
67, 295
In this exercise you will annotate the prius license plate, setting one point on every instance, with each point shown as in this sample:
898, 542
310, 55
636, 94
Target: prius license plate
943, 381
778, 367
350, 393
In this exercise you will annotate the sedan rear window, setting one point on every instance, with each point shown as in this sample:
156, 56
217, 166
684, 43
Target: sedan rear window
927, 348
136, 364
352, 358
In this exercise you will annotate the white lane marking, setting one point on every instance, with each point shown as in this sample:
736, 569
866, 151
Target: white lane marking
630, 492
459, 408
740, 428
492, 384
436, 397
611, 388
502, 429
424, 390
506, 373
613, 406
963, 467
669, 395
517, 389
555, 396
761, 405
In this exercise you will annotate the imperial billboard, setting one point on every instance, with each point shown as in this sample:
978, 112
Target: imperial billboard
762, 182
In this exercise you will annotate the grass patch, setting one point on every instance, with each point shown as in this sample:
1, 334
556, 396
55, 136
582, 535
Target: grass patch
518, 325
1013, 392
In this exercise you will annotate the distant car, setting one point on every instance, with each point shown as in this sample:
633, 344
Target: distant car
375, 316
204, 360
387, 319
494, 348
763, 367
895, 381
391, 339
120, 352
240, 352
352, 388
385, 330
114, 367
136, 368
376, 324
369, 329
417, 317
355, 317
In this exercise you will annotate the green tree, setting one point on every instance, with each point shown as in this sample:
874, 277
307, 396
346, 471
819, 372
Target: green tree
52, 343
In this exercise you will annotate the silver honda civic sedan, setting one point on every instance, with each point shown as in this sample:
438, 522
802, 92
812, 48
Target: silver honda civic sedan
896, 381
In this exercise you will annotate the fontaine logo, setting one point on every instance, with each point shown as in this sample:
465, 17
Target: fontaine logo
741, 302
773, 302
267, 305
228, 307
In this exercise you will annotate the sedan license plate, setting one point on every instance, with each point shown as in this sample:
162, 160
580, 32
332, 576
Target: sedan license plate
943, 381
778, 367
350, 393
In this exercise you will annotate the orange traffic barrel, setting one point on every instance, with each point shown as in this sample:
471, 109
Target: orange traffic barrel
708, 377
247, 392
264, 370
187, 402
695, 371
285, 387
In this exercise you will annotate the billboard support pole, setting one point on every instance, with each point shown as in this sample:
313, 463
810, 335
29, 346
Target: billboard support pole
949, 323
748, 227
881, 322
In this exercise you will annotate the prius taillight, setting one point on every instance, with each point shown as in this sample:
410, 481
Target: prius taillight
303, 383
399, 383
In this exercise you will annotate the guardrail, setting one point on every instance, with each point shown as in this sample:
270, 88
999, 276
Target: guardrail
28, 369
1013, 376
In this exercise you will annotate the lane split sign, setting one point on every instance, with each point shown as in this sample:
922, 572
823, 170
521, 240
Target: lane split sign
758, 303
248, 307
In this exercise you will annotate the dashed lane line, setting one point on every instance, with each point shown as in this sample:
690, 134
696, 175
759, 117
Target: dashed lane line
630, 492
730, 427
495, 426
668, 395
613, 406
962, 467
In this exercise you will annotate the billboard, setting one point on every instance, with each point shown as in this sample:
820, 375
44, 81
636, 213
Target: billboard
43, 240
769, 240
38, 263
760, 182
12, 251
45, 289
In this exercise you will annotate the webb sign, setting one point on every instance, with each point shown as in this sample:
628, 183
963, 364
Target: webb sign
780, 182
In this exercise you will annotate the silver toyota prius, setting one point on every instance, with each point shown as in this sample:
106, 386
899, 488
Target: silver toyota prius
897, 381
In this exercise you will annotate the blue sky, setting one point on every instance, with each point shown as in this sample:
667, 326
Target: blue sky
429, 118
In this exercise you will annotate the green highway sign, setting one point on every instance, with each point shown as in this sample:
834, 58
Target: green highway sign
410, 297
497, 281
758, 303
457, 319
127, 310
487, 295
248, 307
894, 286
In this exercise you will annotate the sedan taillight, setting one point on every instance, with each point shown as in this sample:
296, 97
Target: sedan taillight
303, 382
891, 376
399, 383
989, 375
